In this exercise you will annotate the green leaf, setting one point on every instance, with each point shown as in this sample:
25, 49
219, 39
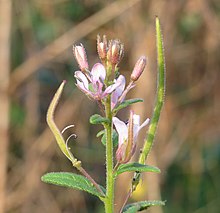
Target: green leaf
142, 205
127, 103
71, 180
100, 133
98, 119
136, 167
114, 138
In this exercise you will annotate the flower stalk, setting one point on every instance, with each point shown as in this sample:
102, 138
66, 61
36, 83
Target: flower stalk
109, 202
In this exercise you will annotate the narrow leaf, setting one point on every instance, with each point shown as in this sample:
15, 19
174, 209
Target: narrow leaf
71, 180
100, 133
142, 205
136, 167
127, 103
98, 119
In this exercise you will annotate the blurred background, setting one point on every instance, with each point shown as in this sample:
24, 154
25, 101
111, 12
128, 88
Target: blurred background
36, 39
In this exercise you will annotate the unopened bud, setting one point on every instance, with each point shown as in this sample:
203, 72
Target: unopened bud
81, 58
115, 52
138, 68
102, 47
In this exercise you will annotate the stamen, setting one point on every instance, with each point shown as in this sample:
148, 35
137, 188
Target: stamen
67, 140
72, 135
67, 127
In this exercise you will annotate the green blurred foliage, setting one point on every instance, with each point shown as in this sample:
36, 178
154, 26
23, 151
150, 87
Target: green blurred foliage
188, 190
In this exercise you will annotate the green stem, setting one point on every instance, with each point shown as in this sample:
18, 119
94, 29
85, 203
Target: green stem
109, 201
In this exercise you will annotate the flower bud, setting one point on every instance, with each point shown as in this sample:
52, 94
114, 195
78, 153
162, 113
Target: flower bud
102, 47
81, 58
138, 68
115, 52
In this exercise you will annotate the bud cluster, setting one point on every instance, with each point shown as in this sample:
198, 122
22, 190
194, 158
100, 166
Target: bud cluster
111, 52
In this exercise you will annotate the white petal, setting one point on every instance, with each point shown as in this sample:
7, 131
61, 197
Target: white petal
136, 122
98, 72
81, 86
80, 77
138, 128
144, 123
118, 85
122, 130
121, 82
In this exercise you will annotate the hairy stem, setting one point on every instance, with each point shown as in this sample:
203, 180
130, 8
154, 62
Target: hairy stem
109, 202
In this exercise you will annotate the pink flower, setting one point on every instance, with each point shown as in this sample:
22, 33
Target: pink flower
92, 84
128, 134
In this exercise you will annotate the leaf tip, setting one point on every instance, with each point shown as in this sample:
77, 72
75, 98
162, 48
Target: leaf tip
43, 178
157, 22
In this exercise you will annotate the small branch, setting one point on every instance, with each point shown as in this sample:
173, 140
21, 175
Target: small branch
126, 200
85, 173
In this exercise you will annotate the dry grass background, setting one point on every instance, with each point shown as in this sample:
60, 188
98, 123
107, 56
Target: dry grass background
35, 56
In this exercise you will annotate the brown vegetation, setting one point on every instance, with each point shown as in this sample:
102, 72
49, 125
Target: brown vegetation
39, 34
